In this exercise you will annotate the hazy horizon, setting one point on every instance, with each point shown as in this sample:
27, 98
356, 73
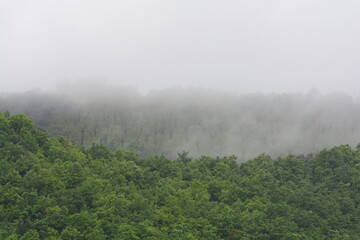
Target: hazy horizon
241, 46
101, 88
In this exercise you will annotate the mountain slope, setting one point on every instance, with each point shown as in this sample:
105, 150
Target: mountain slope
52, 189
201, 122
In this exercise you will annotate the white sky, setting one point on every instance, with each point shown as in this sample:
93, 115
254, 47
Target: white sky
240, 45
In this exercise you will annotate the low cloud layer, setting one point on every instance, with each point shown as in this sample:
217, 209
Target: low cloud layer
242, 46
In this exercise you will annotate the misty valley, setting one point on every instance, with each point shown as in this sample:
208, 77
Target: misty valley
179, 120
110, 163
197, 121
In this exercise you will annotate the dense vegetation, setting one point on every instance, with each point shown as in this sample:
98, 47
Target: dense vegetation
52, 189
202, 122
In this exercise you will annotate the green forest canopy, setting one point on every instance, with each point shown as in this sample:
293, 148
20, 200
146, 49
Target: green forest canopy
52, 189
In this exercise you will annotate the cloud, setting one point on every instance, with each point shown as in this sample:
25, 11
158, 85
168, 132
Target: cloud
245, 46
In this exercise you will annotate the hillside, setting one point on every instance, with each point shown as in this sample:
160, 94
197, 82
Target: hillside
52, 189
201, 122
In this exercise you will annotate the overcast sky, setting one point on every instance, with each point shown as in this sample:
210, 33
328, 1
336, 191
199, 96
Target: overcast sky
240, 45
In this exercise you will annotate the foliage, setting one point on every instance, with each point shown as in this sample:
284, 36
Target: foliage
52, 189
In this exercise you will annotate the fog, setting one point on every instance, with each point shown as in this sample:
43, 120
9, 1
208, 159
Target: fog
209, 77
198, 121
241, 46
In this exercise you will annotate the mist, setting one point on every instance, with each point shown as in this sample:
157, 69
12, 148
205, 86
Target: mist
179, 119
198, 121
243, 46
208, 77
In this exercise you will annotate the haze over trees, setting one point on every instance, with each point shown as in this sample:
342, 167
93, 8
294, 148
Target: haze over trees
214, 133
52, 189
195, 120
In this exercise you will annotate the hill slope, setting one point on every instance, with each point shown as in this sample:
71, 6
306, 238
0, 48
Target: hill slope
201, 122
51, 189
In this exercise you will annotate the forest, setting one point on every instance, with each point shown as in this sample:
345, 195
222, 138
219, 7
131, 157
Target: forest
52, 188
202, 122
179, 120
